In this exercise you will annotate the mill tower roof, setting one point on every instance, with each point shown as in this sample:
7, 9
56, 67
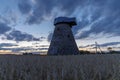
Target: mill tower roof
70, 21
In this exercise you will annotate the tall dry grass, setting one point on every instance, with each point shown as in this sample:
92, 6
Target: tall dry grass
78, 67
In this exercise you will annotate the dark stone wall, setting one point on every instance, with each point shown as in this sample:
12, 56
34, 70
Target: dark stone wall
63, 42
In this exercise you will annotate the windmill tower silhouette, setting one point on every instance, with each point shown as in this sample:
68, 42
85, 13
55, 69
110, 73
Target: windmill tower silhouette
63, 42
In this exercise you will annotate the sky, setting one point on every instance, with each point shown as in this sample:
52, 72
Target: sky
25, 24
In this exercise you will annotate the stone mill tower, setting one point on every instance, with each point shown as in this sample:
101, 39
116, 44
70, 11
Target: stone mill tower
63, 42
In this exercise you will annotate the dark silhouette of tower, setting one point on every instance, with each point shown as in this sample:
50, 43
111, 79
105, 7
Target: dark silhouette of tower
63, 42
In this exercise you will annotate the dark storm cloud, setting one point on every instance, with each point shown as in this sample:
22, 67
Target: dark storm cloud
109, 24
20, 36
88, 14
105, 26
45, 7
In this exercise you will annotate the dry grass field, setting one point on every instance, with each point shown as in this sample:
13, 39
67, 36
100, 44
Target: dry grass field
75, 67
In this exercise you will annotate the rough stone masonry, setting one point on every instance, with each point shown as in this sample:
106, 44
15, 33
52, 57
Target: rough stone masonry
63, 42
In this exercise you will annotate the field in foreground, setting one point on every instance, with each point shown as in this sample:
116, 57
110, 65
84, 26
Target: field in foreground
78, 67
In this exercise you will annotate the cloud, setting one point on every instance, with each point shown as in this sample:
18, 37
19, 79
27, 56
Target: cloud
41, 8
4, 20
104, 20
24, 6
16, 49
16, 35
93, 16
49, 38
109, 25
7, 44
102, 45
9, 17
4, 28
110, 44
21, 49
20, 36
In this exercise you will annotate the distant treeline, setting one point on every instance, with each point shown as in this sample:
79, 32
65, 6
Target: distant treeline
82, 52
88, 52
